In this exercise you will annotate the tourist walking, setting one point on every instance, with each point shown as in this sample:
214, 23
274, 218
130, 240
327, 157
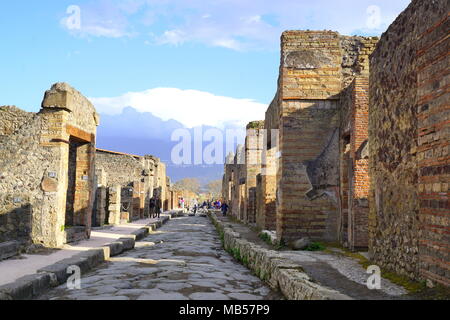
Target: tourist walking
224, 208
152, 207
158, 208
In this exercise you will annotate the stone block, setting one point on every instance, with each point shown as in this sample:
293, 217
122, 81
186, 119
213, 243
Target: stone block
127, 242
116, 248
9, 249
27, 287
141, 233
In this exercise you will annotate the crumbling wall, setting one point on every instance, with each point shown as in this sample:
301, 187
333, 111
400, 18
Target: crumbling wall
35, 167
408, 133
310, 85
12, 119
120, 169
303, 184
23, 164
140, 178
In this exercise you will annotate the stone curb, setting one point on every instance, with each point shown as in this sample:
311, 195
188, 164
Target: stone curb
31, 286
280, 273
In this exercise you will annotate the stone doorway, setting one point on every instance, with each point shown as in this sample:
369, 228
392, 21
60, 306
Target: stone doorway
78, 189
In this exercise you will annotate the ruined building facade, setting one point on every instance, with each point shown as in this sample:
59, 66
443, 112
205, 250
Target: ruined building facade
320, 108
55, 185
47, 169
126, 183
355, 145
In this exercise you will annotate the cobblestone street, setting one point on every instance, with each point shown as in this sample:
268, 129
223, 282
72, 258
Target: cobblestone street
183, 260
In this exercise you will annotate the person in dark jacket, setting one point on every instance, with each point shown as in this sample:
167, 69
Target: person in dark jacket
152, 207
224, 208
158, 208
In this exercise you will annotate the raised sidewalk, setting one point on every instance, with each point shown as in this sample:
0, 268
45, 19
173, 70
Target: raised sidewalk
302, 275
28, 276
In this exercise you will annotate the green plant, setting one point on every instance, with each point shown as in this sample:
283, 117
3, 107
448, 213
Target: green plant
266, 238
280, 245
315, 246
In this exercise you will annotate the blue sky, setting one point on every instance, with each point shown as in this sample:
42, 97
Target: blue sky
224, 49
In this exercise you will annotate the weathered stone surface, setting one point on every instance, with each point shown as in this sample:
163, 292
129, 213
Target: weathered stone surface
116, 248
9, 249
128, 243
36, 152
301, 244
27, 287
280, 273
296, 189
49, 185
409, 198
187, 263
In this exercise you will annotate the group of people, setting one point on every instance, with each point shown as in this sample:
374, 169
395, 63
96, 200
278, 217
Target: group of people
155, 207
218, 205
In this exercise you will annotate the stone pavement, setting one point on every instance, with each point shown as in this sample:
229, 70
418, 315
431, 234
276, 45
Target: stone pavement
27, 264
332, 270
184, 260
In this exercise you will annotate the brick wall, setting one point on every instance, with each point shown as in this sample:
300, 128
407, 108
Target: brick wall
355, 176
408, 133
310, 84
433, 154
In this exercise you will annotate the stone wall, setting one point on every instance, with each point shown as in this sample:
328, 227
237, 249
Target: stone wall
12, 119
34, 162
140, 178
119, 168
315, 68
322, 90
239, 184
354, 165
227, 181
253, 151
409, 135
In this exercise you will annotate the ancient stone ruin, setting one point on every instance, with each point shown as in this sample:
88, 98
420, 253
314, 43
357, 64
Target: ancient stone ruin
126, 183
354, 147
55, 185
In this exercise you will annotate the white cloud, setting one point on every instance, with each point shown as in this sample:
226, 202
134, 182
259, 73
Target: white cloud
99, 19
190, 107
174, 37
234, 24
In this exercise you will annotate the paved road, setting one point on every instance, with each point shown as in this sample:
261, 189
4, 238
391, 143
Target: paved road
184, 260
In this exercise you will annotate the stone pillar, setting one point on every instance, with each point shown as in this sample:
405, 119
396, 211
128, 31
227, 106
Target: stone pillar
253, 150
67, 116
114, 200
311, 81
360, 183
101, 208
267, 214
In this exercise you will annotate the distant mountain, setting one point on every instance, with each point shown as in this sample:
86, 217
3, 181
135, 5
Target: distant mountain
142, 133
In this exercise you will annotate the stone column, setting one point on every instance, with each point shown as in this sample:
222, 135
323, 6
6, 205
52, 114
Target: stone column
114, 199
